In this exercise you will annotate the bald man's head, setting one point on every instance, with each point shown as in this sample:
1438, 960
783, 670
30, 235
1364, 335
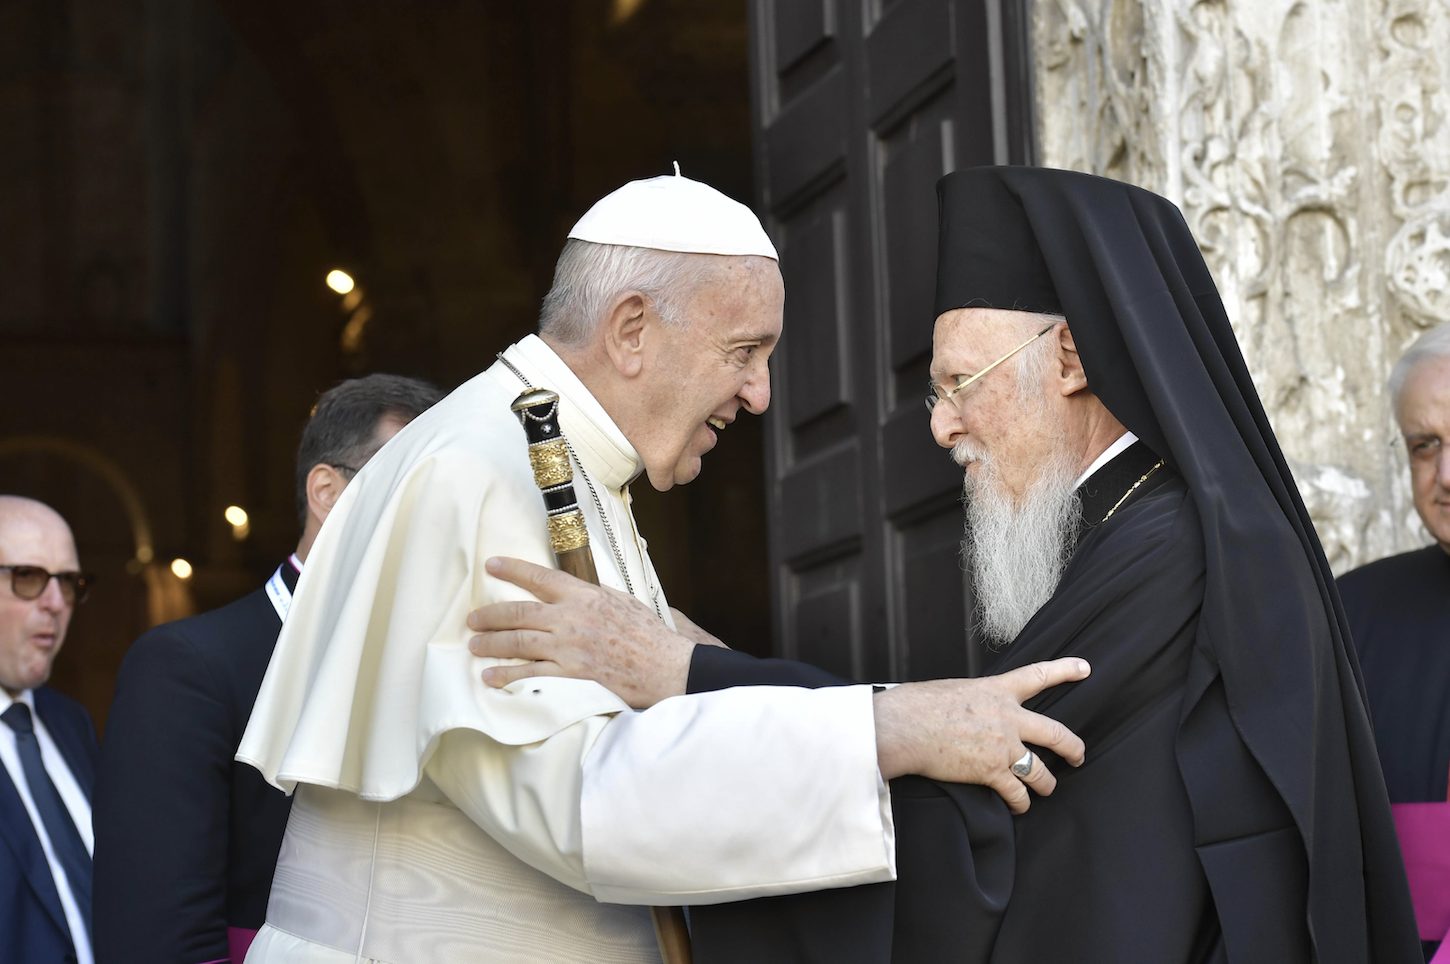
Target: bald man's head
35, 545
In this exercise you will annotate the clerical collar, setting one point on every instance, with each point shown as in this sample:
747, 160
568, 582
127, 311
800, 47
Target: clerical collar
596, 439
283, 584
1111, 483
1107, 455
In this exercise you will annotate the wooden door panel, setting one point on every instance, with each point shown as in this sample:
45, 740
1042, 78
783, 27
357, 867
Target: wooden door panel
801, 28
859, 106
822, 501
815, 358
910, 47
807, 142
932, 626
909, 160
827, 618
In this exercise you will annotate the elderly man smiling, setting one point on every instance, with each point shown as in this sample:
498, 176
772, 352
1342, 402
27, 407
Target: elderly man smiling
437, 819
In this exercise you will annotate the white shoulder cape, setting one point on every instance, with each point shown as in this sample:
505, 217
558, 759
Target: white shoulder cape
372, 665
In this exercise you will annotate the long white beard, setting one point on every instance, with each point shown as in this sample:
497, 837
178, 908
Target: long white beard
1016, 552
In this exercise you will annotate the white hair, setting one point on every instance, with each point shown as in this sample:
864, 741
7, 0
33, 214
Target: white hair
589, 276
1433, 344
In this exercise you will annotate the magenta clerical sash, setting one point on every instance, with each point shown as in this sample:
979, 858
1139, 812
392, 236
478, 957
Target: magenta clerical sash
1424, 832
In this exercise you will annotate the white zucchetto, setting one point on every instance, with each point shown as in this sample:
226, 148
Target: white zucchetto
674, 213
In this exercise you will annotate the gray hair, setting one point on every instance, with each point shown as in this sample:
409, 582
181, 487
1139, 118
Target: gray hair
1036, 360
589, 276
1433, 344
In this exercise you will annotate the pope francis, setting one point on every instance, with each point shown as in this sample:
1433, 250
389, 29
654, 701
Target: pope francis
437, 819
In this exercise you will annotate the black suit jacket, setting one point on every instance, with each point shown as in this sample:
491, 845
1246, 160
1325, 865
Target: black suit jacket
32, 923
186, 837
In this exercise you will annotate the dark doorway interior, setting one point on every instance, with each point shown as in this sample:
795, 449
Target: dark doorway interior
178, 178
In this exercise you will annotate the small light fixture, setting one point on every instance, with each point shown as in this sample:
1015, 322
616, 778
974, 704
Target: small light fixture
340, 281
240, 522
180, 568
623, 10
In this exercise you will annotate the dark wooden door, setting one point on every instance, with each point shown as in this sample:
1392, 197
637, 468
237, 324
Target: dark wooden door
859, 106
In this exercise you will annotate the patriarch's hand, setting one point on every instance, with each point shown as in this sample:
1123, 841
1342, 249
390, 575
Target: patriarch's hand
584, 632
973, 730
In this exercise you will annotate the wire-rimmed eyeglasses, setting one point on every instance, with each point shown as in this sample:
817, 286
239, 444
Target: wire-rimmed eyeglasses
966, 381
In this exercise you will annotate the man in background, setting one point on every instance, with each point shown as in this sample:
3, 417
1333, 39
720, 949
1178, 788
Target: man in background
1399, 614
47, 745
188, 838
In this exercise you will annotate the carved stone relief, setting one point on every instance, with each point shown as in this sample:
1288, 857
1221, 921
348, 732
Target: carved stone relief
1306, 142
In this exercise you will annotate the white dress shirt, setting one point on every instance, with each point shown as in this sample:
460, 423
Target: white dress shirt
70, 794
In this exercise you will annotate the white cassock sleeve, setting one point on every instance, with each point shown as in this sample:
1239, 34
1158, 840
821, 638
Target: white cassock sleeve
721, 796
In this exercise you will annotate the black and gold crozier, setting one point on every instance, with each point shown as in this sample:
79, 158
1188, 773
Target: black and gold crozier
538, 411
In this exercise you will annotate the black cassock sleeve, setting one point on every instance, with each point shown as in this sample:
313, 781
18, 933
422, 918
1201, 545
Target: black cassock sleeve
953, 857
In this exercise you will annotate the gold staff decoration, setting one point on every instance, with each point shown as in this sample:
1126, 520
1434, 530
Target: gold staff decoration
538, 411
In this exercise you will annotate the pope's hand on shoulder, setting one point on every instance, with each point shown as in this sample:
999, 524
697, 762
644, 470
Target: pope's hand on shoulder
956, 730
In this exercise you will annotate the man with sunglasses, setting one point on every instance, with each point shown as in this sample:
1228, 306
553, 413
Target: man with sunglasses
47, 745
187, 839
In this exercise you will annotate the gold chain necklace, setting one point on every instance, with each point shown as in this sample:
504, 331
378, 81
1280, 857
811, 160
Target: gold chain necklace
1134, 488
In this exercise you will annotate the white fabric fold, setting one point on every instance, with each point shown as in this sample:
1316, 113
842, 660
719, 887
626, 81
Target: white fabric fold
782, 781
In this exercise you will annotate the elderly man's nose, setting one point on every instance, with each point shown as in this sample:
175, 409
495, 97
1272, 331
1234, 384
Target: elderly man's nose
756, 392
946, 424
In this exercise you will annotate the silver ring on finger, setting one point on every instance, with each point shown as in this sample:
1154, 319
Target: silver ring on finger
1023, 767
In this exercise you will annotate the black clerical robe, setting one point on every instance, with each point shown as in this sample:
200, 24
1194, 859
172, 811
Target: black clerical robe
1109, 868
1399, 615
1398, 611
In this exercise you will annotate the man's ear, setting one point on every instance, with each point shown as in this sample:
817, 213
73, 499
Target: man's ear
324, 487
625, 328
1071, 378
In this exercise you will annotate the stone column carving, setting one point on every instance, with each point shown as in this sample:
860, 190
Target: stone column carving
1307, 144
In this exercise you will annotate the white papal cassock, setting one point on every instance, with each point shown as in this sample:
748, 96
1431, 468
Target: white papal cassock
437, 819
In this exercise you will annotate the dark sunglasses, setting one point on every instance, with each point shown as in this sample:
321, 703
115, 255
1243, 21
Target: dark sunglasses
28, 582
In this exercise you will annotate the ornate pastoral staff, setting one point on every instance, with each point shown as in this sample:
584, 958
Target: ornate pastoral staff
538, 411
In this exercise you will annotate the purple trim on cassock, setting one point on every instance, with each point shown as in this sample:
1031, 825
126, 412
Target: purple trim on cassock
238, 940
1424, 832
